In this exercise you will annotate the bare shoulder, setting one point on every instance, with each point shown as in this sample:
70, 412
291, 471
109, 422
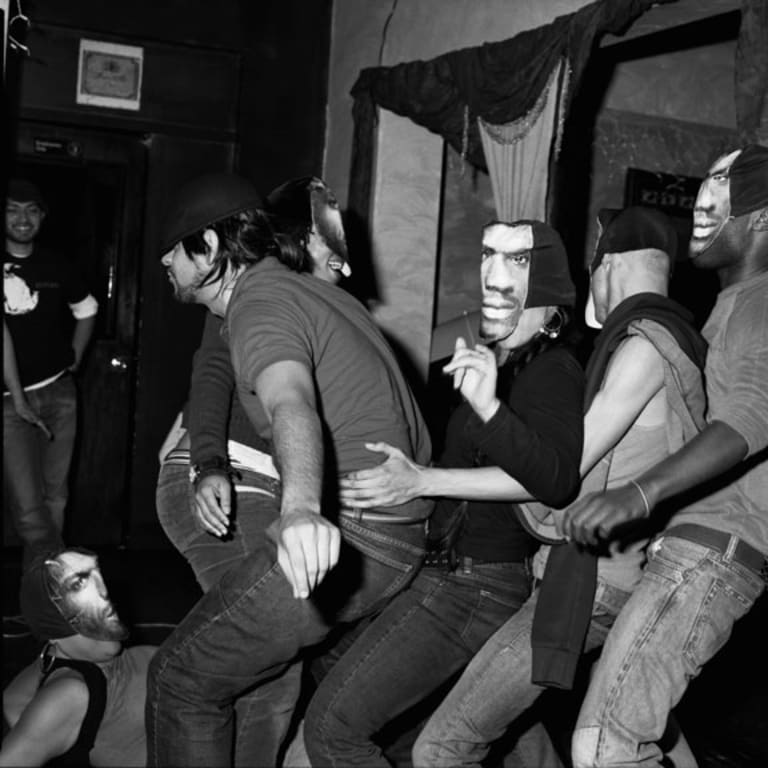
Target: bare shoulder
50, 722
25, 687
66, 693
635, 357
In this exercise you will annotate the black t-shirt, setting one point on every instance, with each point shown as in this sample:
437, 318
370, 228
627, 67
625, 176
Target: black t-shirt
38, 290
535, 436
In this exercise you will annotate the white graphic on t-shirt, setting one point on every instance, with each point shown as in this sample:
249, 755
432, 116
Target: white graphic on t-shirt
19, 298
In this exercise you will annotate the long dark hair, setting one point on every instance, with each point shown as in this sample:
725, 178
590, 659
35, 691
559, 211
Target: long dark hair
245, 239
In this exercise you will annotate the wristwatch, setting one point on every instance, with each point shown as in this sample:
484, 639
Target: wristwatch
214, 465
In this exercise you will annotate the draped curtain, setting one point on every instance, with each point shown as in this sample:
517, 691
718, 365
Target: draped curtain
518, 153
499, 83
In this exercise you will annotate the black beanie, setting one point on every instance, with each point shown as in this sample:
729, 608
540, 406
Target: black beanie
634, 229
204, 201
749, 180
38, 606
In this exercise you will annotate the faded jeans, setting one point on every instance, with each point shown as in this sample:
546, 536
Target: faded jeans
421, 640
676, 620
263, 716
248, 629
496, 689
35, 469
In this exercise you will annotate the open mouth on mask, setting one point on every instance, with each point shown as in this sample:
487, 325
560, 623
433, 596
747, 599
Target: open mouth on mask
338, 264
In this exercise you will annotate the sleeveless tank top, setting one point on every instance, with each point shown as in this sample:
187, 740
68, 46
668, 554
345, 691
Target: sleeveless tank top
78, 753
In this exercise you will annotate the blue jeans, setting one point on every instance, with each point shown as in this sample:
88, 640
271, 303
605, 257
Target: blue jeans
35, 469
248, 629
496, 689
209, 556
422, 639
263, 716
678, 617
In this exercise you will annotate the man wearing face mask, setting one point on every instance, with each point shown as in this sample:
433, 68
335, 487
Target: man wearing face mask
216, 515
317, 378
707, 568
521, 426
643, 397
82, 702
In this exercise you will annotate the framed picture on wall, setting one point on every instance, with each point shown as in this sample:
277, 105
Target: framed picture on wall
109, 75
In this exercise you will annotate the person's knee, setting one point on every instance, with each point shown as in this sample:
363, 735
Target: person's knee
331, 732
427, 752
584, 747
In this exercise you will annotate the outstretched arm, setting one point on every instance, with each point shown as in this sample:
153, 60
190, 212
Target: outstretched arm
710, 454
535, 441
738, 428
308, 544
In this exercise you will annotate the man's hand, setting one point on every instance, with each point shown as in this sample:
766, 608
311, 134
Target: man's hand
395, 481
595, 517
307, 548
474, 373
213, 502
29, 414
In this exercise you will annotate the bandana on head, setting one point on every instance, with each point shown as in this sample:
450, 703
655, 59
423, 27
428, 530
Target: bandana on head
39, 607
549, 279
633, 229
749, 180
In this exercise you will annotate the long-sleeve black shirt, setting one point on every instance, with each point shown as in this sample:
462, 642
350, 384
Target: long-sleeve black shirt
535, 436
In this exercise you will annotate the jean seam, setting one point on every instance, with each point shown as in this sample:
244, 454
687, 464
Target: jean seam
607, 712
322, 726
358, 533
215, 619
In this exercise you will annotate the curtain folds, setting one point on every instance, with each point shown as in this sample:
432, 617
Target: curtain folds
518, 153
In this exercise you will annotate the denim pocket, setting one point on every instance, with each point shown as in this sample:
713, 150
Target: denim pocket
670, 558
381, 567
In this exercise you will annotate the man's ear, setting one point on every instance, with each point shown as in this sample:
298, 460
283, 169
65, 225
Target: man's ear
212, 243
758, 220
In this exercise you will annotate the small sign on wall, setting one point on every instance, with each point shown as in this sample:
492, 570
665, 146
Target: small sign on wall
109, 75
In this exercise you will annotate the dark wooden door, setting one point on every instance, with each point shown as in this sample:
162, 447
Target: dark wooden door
94, 184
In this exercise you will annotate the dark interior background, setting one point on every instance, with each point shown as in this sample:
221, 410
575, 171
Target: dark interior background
234, 85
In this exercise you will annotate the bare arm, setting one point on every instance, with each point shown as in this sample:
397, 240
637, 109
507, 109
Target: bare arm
711, 453
81, 337
48, 726
308, 544
714, 451
633, 378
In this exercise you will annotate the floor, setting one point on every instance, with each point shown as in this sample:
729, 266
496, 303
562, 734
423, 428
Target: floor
724, 714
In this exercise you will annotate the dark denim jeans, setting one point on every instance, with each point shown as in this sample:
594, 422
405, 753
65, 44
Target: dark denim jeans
496, 688
248, 629
263, 716
421, 640
35, 469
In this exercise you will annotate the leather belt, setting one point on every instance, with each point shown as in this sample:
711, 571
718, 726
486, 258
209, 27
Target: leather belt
364, 516
740, 552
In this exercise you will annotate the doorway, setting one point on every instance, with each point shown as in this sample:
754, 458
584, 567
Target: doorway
93, 183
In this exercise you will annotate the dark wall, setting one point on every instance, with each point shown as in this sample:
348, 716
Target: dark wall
234, 84
284, 90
